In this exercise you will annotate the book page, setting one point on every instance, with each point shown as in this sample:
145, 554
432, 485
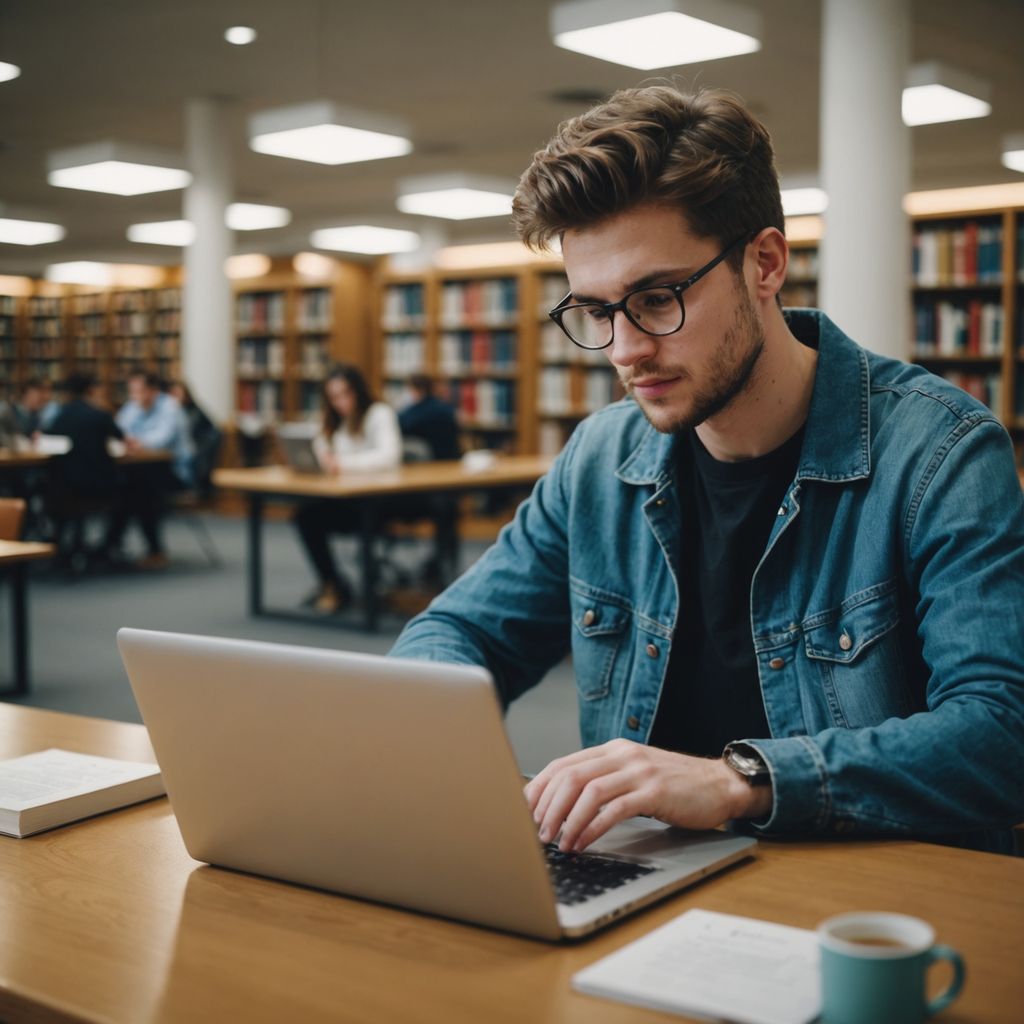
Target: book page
718, 966
50, 775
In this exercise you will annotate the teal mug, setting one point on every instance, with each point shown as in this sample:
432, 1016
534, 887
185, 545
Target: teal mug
873, 968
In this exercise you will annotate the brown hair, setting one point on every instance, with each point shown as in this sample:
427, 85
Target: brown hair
703, 152
354, 378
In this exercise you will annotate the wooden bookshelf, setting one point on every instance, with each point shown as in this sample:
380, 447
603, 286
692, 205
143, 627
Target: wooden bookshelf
289, 329
801, 287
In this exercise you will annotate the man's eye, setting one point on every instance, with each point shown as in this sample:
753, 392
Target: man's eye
654, 299
595, 312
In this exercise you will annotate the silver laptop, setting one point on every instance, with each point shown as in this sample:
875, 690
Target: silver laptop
296, 440
381, 778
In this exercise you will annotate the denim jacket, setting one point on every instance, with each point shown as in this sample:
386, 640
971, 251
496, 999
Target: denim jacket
887, 611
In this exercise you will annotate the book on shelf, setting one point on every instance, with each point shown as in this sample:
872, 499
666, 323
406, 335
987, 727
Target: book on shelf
964, 254
479, 350
55, 787
404, 354
553, 288
489, 303
403, 308
958, 328
986, 387
258, 312
484, 402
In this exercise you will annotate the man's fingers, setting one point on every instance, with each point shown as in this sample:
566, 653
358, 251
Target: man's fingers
596, 795
626, 806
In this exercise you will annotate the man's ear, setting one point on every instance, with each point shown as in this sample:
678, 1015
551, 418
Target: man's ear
771, 252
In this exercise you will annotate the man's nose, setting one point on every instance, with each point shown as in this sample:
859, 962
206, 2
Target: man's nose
630, 344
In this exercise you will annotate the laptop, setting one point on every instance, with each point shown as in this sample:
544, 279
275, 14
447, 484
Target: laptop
384, 779
296, 440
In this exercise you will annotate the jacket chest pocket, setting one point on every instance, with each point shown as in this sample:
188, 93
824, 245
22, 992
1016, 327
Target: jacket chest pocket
856, 650
599, 628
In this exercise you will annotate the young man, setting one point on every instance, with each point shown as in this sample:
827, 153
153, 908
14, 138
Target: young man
779, 543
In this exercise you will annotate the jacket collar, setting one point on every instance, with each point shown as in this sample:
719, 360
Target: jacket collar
837, 437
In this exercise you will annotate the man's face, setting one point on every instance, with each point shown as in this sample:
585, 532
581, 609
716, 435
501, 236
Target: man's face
679, 380
140, 392
34, 399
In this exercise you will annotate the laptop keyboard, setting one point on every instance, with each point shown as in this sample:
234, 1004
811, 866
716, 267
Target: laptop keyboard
581, 876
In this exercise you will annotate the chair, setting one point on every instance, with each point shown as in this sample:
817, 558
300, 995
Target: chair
12, 517
189, 503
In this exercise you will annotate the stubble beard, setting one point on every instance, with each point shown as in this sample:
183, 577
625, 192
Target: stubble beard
729, 374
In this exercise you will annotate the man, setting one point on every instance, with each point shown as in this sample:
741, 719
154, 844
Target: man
429, 419
85, 479
151, 420
33, 398
779, 542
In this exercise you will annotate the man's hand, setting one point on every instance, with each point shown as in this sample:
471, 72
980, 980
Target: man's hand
330, 464
588, 792
132, 444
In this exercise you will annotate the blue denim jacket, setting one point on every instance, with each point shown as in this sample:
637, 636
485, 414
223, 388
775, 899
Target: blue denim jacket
887, 611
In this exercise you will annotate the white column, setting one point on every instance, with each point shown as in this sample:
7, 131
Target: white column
865, 160
207, 342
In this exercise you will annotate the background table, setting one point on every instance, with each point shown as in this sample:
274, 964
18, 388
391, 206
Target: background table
15, 556
278, 483
110, 920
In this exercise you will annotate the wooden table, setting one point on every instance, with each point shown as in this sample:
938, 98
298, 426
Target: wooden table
110, 920
15, 556
278, 483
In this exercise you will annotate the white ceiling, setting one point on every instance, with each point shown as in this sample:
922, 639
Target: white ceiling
479, 81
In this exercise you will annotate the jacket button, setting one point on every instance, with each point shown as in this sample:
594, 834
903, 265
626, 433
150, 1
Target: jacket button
776, 663
660, 502
845, 643
589, 616
633, 722
652, 651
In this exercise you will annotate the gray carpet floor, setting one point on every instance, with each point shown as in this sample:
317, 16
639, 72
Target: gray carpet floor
76, 667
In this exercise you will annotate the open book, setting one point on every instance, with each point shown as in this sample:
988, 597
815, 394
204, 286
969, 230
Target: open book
53, 787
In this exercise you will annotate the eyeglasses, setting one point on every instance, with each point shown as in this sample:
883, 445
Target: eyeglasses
656, 310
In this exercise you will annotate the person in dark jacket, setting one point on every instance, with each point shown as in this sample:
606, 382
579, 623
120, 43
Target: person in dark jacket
430, 419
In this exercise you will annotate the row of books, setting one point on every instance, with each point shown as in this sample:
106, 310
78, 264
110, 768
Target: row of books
965, 328
799, 295
490, 302
8, 349
803, 265
314, 359
167, 321
316, 310
259, 311
260, 357
43, 328
311, 399
403, 307
93, 324
130, 322
45, 305
484, 401
131, 302
8, 306
986, 387
82, 304
403, 354
553, 288
967, 253
477, 350
555, 396
552, 437
46, 348
46, 369
262, 399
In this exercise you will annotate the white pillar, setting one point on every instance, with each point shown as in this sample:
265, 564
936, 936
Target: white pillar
207, 342
865, 150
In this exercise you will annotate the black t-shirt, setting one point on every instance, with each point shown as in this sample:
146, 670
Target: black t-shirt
712, 693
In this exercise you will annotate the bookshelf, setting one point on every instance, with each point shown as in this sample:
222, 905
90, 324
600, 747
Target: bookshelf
289, 328
12, 312
47, 353
801, 287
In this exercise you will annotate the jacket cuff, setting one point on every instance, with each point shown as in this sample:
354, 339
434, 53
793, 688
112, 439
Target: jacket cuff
801, 797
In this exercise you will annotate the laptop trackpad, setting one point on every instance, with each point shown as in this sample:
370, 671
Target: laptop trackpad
650, 839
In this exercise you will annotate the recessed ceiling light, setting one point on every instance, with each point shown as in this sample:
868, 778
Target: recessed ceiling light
365, 238
326, 133
648, 34
79, 272
1013, 151
312, 264
117, 168
456, 196
8, 71
163, 232
29, 232
936, 92
240, 35
250, 264
255, 217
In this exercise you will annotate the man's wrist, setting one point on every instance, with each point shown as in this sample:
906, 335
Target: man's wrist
744, 800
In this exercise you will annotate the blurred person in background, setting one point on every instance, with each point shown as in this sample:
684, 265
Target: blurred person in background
358, 434
205, 436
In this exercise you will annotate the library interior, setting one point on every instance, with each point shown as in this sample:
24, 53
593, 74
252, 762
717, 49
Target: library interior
333, 484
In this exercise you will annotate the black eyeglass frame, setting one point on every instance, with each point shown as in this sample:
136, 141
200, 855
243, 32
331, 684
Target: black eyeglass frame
611, 308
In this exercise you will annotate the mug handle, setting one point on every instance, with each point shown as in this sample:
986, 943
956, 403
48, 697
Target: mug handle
941, 1001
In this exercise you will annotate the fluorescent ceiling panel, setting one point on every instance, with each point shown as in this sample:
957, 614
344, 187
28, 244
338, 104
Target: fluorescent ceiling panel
79, 272
255, 217
365, 238
936, 92
8, 71
240, 35
648, 34
326, 133
1013, 152
118, 168
799, 202
29, 232
456, 196
250, 264
163, 232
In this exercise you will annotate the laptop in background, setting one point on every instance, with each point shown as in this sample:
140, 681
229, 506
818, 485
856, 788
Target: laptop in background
386, 779
296, 440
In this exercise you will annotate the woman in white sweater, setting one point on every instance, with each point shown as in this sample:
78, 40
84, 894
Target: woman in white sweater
358, 435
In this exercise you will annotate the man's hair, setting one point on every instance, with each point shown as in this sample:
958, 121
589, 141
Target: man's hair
78, 385
422, 383
702, 152
31, 384
152, 380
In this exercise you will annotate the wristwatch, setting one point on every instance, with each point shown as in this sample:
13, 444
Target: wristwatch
743, 759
